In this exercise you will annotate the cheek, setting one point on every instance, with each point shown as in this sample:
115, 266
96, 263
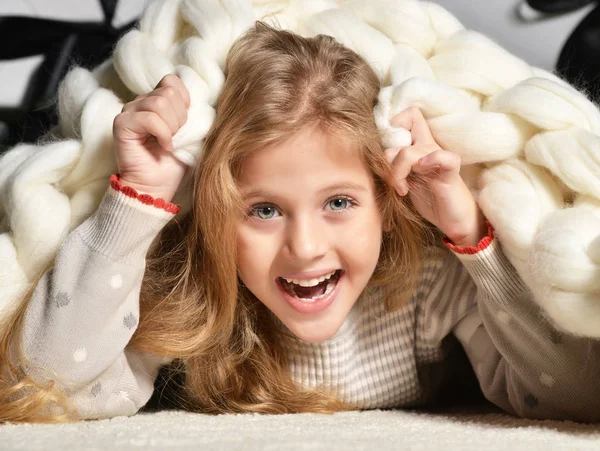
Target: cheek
253, 255
363, 243
244, 252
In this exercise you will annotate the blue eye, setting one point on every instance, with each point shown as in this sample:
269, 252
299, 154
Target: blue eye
339, 204
264, 211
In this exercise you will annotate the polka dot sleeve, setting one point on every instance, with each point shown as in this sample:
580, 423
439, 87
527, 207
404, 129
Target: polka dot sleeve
85, 310
523, 363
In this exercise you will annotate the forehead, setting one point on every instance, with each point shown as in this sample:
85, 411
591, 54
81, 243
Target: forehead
306, 160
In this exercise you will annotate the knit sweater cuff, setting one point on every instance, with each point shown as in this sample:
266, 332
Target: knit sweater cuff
493, 272
124, 226
483, 243
488, 266
115, 183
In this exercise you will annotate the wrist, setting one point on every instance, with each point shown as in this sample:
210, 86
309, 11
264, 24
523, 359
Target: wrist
147, 190
473, 235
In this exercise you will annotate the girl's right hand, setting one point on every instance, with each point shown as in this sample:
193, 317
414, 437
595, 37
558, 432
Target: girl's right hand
143, 134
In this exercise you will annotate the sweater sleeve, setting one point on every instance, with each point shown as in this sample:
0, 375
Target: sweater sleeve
85, 309
523, 363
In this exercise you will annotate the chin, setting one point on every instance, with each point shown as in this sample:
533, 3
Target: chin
314, 333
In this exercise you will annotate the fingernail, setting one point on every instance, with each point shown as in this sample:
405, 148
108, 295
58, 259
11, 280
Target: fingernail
402, 189
422, 160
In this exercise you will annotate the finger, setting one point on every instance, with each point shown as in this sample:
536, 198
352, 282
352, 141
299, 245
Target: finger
177, 102
146, 103
391, 153
137, 99
172, 80
162, 107
131, 107
412, 119
402, 166
446, 163
145, 123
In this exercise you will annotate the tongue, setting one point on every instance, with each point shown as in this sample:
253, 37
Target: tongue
310, 292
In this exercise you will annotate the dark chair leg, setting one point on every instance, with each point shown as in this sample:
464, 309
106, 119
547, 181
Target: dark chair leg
557, 6
579, 60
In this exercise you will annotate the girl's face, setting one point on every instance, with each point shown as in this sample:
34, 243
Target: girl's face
312, 211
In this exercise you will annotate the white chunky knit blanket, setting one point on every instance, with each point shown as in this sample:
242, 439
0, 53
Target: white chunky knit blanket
529, 142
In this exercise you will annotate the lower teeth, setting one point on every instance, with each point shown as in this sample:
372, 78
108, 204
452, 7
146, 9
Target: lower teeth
329, 289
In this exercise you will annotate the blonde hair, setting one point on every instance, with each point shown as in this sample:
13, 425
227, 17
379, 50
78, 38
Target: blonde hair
193, 307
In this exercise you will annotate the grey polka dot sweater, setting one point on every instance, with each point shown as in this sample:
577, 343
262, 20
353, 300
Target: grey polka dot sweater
85, 310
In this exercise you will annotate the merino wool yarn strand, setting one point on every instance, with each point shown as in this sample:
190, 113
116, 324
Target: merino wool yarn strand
529, 142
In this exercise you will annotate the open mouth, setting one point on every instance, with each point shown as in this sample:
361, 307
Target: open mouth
313, 293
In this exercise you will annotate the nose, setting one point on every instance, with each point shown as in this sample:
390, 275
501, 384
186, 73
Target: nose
307, 239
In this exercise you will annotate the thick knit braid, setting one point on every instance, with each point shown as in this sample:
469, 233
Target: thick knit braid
529, 142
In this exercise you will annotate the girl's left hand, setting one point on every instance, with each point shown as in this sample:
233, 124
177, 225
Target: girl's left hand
430, 176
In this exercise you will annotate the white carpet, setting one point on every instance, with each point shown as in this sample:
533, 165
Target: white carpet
369, 430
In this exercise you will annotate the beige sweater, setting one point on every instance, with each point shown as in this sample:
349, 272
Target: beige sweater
85, 310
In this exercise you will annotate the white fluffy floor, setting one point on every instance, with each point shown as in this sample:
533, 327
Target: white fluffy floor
370, 430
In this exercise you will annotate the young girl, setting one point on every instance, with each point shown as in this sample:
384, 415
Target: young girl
306, 277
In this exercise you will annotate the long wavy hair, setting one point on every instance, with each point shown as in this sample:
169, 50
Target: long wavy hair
193, 307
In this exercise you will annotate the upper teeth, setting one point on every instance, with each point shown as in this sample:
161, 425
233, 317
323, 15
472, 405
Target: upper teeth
310, 282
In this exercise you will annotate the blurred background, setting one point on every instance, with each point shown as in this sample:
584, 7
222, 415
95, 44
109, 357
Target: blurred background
41, 39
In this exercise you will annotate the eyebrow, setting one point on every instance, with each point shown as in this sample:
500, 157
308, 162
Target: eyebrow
335, 186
